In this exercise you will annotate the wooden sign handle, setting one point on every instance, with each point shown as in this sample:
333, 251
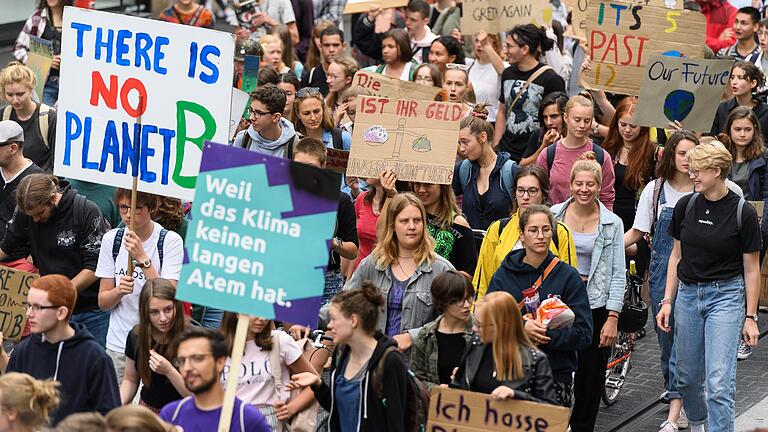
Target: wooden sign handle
236, 358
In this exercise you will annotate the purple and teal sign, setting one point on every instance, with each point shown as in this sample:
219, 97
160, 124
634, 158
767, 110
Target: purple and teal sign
259, 237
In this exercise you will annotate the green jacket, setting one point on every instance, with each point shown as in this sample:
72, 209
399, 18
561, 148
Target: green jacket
424, 351
447, 21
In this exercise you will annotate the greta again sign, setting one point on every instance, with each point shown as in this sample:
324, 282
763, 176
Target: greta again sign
139, 98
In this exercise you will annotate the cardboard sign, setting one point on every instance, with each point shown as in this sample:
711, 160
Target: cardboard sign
684, 90
458, 410
393, 88
337, 160
578, 10
236, 109
763, 297
759, 207
415, 139
497, 16
139, 97
623, 37
357, 6
14, 287
251, 215
39, 60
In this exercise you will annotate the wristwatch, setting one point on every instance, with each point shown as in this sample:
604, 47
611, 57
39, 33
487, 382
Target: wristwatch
752, 317
147, 263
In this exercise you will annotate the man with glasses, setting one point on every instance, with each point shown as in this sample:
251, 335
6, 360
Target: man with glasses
200, 357
64, 351
269, 133
14, 167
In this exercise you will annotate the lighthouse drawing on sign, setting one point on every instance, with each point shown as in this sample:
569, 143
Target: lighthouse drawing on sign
378, 136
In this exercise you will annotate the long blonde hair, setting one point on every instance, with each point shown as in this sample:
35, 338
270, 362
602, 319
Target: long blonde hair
499, 309
32, 399
268, 39
386, 251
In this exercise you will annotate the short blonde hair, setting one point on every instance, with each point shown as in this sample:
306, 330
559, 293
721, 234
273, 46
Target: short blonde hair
16, 73
588, 163
578, 100
713, 155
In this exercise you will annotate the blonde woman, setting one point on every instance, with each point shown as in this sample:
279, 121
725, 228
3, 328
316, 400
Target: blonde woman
273, 53
709, 286
313, 119
25, 402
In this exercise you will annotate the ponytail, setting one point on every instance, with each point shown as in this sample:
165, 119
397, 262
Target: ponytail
32, 399
363, 302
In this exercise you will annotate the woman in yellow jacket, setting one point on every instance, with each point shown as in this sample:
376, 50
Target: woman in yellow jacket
503, 236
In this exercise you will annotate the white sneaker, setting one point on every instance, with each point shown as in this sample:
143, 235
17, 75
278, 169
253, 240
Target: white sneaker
668, 426
682, 420
744, 351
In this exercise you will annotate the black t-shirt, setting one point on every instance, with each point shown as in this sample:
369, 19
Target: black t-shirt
534, 142
710, 241
522, 120
315, 77
35, 148
346, 228
456, 244
485, 381
624, 203
161, 392
450, 348
8, 205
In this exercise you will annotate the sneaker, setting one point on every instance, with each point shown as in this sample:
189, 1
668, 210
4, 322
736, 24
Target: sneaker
744, 351
682, 420
668, 426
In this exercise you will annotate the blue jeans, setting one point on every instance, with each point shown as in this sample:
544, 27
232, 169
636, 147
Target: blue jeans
51, 91
711, 315
97, 323
211, 318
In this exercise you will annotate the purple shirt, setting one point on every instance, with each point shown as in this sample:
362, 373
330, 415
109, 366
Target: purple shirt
193, 419
395, 306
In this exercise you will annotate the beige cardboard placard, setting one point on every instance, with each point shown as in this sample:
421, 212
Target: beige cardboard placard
14, 286
459, 410
759, 206
382, 85
578, 10
356, 6
415, 139
337, 160
40, 59
684, 90
622, 37
496, 16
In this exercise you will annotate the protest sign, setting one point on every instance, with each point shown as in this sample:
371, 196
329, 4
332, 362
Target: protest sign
622, 37
237, 108
393, 88
578, 10
117, 69
14, 286
337, 160
39, 61
357, 6
459, 410
684, 90
415, 139
763, 296
497, 16
252, 213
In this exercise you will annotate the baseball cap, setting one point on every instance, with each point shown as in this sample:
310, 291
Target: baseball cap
244, 47
10, 132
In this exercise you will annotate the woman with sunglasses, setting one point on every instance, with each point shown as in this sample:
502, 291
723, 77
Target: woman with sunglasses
504, 236
155, 252
313, 119
151, 344
709, 287
456, 84
485, 72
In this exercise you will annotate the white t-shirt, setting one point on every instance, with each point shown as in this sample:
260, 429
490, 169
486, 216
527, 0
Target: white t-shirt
487, 85
255, 384
125, 314
405, 75
644, 216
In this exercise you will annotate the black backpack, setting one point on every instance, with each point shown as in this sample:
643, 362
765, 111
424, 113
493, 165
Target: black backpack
417, 400
552, 148
119, 241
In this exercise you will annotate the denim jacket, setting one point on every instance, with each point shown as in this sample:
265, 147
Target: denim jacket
607, 276
424, 351
417, 299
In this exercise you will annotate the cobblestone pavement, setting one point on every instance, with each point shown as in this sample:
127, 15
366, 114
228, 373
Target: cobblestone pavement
645, 384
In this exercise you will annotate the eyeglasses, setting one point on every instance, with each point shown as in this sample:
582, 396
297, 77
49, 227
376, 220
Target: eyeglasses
534, 232
457, 66
124, 209
532, 191
195, 359
460, 303
694, 173
256, 113
37, 308
306, 91
424, 80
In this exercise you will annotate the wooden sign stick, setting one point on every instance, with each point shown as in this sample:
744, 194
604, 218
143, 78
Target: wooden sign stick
135, 186
236, 358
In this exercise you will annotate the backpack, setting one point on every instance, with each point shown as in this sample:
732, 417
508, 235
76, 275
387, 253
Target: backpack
418, 395
552, 148
739, 209
186, 399
337, 138
288, 149
42, 122
508, 172
119, 241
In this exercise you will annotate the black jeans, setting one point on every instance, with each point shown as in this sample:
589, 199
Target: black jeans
590, 377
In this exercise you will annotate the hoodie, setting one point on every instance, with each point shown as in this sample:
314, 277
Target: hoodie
514, 276
80, 364
262, 145
376, 414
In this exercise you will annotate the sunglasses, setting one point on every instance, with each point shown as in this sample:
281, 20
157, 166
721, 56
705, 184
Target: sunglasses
457, 66
306, 91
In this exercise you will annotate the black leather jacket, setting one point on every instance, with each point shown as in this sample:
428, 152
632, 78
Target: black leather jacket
535, 386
